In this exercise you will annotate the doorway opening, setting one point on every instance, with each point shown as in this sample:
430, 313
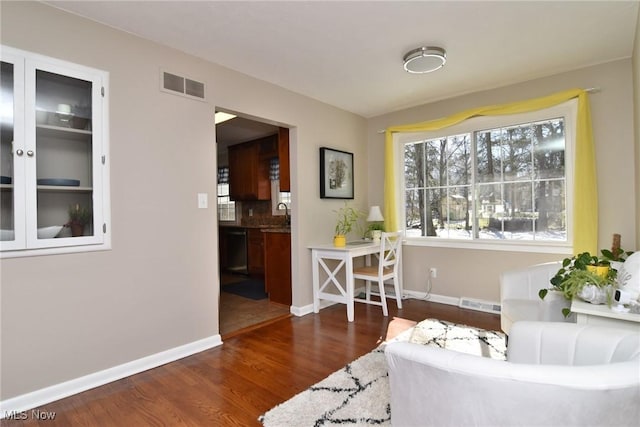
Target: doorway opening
247, 146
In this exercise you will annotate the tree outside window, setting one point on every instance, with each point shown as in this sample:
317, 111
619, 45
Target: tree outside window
503, 183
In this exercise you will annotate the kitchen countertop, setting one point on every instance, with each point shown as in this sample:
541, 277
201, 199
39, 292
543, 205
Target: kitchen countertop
267, 228
279, 229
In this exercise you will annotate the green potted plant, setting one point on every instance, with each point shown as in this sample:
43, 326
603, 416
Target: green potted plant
577, 273
374, 231
79, 216
616, 256
347, 217
616, 259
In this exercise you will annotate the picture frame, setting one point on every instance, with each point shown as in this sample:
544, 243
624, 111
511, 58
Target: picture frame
336, 174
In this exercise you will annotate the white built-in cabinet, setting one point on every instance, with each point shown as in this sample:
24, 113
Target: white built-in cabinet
53, 155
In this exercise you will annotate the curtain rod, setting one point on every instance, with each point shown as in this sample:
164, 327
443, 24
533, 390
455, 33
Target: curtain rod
595, 89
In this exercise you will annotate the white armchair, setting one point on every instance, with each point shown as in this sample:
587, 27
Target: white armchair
560, 374
519, 298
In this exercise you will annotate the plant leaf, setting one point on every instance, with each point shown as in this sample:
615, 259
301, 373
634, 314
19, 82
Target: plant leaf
607, 253
542, 293
566, 312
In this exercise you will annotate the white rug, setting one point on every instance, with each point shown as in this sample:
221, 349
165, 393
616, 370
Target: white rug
358, 394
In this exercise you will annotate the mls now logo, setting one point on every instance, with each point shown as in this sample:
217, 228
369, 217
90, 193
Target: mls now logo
15, 415
36, 414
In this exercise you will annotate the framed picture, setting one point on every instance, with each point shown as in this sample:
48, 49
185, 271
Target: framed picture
336, 174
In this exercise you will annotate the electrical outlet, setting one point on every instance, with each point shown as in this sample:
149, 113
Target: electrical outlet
433, 272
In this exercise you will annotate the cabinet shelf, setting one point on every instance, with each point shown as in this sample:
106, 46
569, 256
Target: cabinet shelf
64, 188
63, 132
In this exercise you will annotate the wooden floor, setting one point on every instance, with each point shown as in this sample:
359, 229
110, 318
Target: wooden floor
231, 385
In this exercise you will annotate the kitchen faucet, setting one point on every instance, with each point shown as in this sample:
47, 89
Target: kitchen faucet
287, 218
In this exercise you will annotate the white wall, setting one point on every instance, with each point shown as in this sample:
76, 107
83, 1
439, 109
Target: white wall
475, 273
65, 316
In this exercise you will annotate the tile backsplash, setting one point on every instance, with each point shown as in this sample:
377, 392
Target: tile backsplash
261, 214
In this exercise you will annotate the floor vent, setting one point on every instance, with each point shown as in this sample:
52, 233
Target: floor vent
480, 305
182, 86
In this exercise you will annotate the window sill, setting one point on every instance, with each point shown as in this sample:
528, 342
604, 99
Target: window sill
491, 246
17, 253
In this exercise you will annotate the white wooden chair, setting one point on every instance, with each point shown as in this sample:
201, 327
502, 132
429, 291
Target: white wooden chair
389, 260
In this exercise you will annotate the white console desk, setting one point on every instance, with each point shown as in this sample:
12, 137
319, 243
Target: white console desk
344, 256
601, 314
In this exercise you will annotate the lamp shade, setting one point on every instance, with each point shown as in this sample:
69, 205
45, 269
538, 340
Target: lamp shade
375, 214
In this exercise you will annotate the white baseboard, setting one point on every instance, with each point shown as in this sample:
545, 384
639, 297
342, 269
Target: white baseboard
301, 311
308, 309
442, 299
59, 391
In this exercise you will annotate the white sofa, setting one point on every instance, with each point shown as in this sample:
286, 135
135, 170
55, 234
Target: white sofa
556, 374
519, 298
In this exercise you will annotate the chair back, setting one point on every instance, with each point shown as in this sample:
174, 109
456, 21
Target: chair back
390, 250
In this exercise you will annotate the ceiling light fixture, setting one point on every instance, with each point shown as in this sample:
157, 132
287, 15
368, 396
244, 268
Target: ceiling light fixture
424, 60
221, 116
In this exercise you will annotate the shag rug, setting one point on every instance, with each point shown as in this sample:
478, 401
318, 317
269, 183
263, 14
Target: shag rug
359, 395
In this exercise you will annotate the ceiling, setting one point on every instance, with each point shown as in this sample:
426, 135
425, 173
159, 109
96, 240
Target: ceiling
349, 53
241, 129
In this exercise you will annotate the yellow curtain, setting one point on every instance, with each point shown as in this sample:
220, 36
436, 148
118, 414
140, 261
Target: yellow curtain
585, 202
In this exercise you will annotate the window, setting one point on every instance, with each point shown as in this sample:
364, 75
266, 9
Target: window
278, 197
491, 180
226, 206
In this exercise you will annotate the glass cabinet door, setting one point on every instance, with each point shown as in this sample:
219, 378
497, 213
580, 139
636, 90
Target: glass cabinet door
63, 156
11, 142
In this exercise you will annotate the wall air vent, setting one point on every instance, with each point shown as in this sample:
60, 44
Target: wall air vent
179, 85
479, 305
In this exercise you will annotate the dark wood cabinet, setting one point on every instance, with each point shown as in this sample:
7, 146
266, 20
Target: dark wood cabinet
248, 172
277, 266
283, 156
268, 148
255, 251
249, 165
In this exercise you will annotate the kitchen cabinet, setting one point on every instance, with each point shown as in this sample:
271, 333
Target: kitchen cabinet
255, 252
268, 148
283, 158
53, 155
277, 266
248, 172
